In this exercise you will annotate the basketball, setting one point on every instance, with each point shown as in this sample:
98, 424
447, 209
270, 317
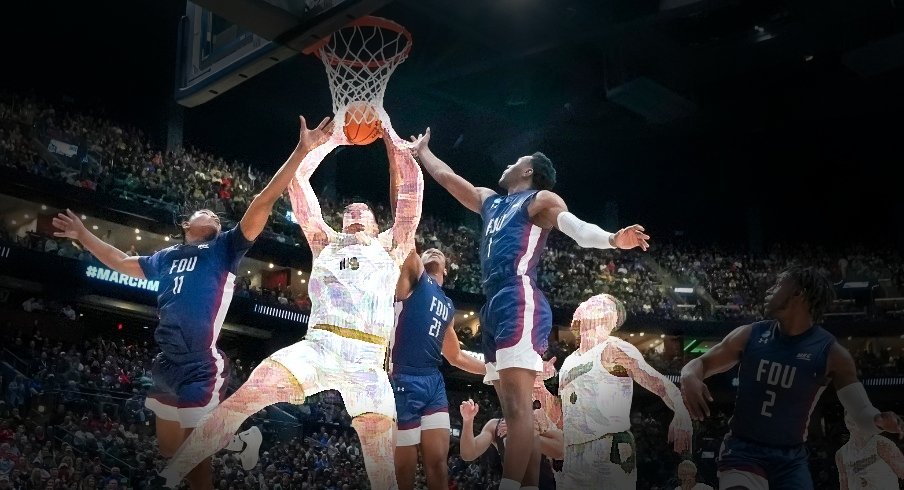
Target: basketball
362, 124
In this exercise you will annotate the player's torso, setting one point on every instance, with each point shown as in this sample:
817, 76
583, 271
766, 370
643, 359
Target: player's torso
197, 283
352, 286
595, 401
421, 326
780, 380
865, 469
510, 244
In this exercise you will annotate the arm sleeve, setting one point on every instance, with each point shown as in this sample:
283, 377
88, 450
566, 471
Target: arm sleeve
585, 234
855, 401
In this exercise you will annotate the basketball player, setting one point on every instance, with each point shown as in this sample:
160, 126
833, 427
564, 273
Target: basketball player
516, 320
596, 385
196, 279
785, 364
687, 475
870, 462
495, 433
423, 332
351, 318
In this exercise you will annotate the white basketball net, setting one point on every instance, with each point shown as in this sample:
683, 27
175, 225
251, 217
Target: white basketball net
359, 60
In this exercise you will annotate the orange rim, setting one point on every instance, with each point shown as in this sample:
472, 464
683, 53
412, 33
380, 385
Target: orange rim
367, 21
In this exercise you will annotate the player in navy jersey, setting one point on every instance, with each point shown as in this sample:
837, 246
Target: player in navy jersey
196, 284
516, 320
784, 365
423, 333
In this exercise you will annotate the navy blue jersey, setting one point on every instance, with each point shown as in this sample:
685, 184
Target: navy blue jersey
780, 379
196, 284
511, 245
421, 327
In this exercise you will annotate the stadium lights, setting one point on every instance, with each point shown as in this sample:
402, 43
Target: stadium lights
94, 227
299, 273
632, 335
138, 237
137, 230
43, 207
249, 272
84, 217
303, 281
662, 336
472, 312
641, 334
271, 265
166, 238
14, 222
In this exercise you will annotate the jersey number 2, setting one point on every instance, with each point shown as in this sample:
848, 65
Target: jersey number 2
177, 284
768, 403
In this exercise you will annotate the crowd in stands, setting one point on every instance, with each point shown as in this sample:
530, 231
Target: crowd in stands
120, 160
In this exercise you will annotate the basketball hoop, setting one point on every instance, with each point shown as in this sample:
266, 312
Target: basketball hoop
359, 59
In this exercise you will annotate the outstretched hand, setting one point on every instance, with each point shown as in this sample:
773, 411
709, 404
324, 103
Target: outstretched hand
419, 143
630, 237
468, 409
70, 224
312, 138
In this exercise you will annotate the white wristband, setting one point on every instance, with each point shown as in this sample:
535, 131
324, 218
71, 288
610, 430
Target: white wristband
854, 399
586, 235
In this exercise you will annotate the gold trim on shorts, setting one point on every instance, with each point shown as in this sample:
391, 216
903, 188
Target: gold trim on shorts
351, 334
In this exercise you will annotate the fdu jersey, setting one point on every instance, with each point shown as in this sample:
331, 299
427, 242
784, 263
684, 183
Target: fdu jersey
780, 379
511, 245
197, 282
421, 327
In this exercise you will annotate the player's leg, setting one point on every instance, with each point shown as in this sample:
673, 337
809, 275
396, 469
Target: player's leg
532, 473
435, 432
275, 380
408, 436
790, 469
742, 466
369, 401
514, 389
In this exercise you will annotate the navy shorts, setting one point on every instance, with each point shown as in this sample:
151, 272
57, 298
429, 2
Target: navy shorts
186, 391
421, 403
516, 322
782, 467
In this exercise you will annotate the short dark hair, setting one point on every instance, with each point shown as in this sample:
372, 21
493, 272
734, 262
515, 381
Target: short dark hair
815, 286
544, 178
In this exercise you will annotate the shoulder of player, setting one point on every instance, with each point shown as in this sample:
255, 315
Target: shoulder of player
490, 426
546, 198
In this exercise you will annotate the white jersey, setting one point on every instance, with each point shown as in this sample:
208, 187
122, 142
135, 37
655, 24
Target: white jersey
698, 486
864, 468
353, 286
594, 401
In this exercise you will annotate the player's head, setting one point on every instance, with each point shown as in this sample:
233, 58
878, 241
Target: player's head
687, 471
801, 289
598, 317
203, 225
535, 170
434, 261
358, 217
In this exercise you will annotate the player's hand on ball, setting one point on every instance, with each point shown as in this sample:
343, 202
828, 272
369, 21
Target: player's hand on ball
468, 409
631, 237
890, 422
70, 224
312, 138
419, 143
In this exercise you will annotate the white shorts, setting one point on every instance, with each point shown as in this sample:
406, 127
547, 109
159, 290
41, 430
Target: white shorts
326, 361
512, 358
590, 466
743, 479
412, 437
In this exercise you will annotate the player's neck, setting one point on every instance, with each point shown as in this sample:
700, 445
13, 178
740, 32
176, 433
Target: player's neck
794, 325
436, 277
524, 186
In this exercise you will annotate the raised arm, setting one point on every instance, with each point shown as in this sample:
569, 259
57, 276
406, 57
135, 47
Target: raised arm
469, 196
255, 218
548, 210
627, 355
473, 447
409, 198
114, 258
304, 202
853, 397
458, 358
722, 357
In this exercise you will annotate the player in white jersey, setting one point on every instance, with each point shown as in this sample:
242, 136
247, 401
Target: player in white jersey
596, 385
352, 285
868, 461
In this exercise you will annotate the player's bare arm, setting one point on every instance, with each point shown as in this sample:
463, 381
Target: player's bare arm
552, 439
307, 208
408, 202
852, 395
412, 269
724, 356
548, 211
71, 226
466, 193
472, 447
255, 218
842, 474
626, 355
548, 402
891, 454
456, 357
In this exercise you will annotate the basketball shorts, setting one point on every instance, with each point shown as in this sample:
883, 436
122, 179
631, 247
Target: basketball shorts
421, 403
745, 463
326, 361
516, 322
607, 462
185, 391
